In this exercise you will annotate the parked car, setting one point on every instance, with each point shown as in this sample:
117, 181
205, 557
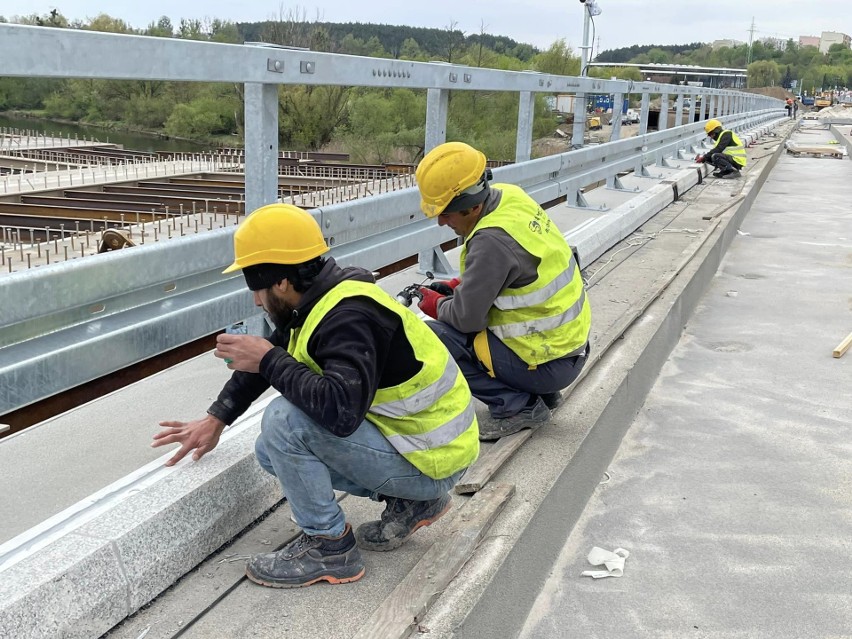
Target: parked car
630, 117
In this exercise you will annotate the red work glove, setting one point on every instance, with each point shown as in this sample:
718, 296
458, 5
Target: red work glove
429, 303
445, 287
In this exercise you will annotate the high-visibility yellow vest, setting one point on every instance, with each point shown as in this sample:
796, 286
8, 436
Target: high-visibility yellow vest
430, 418
551, 317
737, 152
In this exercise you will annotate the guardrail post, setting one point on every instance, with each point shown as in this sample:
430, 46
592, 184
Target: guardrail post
435, 261
579, 132
643, 114
261, 133
617, 109
663, 120
679, 111
692, 98
704, 100
437, 107
711, 113
526, 112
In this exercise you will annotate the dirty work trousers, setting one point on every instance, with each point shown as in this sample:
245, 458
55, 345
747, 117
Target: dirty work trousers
311, 463
723, 162
514, 384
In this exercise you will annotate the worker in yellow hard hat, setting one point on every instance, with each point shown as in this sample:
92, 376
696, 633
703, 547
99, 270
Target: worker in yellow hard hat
729, 154
517, 319
369, 402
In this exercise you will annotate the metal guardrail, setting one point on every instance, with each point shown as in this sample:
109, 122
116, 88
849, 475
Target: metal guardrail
68, 323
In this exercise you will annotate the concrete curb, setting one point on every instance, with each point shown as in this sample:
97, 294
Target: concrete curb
845, 140
92, 577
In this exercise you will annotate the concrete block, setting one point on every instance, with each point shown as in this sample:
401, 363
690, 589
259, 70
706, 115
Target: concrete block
73, 588
92, 577
165, 531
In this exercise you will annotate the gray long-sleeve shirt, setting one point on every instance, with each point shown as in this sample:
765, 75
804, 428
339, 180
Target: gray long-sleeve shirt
494, 261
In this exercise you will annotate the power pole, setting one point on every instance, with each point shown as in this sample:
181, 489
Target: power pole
750, 40
579, 130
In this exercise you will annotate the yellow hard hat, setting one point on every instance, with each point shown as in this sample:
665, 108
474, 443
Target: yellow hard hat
448, 171
711, 126
277, 234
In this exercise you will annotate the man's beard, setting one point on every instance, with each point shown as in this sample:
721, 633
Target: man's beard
279, 311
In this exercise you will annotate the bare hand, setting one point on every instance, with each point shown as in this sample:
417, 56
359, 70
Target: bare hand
242, 352
200, 435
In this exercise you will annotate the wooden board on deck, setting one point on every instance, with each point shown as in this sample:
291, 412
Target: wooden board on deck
409, 602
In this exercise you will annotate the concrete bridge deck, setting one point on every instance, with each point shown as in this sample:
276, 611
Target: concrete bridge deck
523, 578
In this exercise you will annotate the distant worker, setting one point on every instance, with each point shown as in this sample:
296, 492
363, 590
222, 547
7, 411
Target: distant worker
370, 402
795, 108
728, 156
789, 107
517, 320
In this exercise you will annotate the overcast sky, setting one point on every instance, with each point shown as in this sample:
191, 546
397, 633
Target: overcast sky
537, 22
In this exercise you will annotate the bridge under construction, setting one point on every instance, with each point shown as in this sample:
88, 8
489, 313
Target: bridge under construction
703, 447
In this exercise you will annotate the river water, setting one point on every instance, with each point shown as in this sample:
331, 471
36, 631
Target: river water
133, 141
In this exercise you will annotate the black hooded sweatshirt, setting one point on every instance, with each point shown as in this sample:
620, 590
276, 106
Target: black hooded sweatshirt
359, 345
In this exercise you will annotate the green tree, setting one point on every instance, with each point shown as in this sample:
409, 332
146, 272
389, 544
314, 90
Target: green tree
765, 73
557, 60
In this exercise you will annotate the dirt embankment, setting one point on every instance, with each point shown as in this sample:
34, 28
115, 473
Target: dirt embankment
773, 92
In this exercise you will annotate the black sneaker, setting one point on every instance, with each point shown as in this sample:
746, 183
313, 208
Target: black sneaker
717, 173
531, 417
400, 519
552, 400
307, 560
729, 174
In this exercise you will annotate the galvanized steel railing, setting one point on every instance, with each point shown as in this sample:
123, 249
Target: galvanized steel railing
68, 323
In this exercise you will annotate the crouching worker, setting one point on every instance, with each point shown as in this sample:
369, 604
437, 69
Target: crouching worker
729, 154
517, 320
370, 402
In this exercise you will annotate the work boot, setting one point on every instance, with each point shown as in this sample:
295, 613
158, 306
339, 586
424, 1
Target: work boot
307, 560
729, 174
400, 519
552, 400
717, 173
530, 417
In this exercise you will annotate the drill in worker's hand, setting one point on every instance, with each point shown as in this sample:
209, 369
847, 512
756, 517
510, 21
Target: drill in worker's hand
444, 288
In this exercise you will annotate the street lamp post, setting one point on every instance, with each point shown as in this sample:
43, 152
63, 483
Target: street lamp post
590, 8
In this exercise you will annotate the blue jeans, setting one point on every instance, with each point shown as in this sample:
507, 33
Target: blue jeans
514, 384
311, 463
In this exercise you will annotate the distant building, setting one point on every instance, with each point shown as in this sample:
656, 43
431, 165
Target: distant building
778, 44
809, 41
714, 77
718, 44
833, 37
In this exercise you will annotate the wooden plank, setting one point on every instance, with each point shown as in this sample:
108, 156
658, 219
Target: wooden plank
721, 209
479, 473
409, 602
843, 346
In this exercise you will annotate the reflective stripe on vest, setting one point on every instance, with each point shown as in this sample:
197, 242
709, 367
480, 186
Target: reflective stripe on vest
551, 317
430, 418
737, 152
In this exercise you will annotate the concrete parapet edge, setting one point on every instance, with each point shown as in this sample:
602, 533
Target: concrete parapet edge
505, 604
92, 577
843, 139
